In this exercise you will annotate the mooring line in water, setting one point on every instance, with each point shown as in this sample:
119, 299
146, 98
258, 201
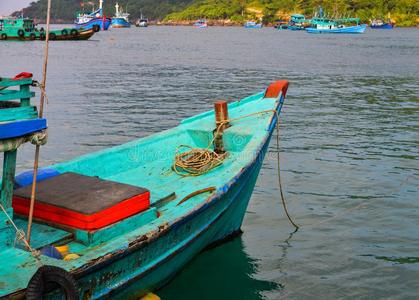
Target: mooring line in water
41, 112
284, 204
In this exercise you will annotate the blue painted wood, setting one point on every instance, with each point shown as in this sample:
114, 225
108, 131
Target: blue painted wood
21, 128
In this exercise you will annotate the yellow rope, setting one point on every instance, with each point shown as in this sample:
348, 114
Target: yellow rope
198, 161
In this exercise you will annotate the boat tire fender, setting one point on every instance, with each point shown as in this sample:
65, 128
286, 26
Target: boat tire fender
96, 28
32, 36
64, 32
42, 36
52, 36
20, 33
4, 36
74, 32
51, 275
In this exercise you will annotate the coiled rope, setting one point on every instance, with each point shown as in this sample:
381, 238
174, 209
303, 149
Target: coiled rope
198, 161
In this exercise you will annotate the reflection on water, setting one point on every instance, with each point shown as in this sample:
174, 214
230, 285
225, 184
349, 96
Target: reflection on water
349, 146
235, 280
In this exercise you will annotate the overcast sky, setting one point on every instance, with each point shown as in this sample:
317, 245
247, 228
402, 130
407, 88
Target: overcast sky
9, 6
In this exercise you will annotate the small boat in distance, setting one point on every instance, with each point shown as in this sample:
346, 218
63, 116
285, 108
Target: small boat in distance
202, 23
297, 22
24, 29
380, 24
252, 25
281, 24
120, 20
141, 22
327, 25
94, 20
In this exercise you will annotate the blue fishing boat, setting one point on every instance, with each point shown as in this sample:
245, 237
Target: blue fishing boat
94, 20
380, 24
328, 25
202, 23
252, 25
120, 20
121, 222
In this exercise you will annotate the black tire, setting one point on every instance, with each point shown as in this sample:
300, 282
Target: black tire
42, 29
4, 36
74, 32
64, 32
49, 278
96, 28
42, 36
20, 33
52, 36
32, 36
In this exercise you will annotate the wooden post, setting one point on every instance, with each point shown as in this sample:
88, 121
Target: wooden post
8, 178
221, 116
25, 101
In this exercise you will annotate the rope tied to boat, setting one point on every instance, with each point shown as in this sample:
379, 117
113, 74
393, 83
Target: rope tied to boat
21, 236
38, 138
198, 161
42, 89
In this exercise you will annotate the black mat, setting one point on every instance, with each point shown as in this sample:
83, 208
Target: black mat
79, 193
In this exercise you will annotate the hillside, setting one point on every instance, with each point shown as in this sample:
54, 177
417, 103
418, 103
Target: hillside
66, 10
404, 12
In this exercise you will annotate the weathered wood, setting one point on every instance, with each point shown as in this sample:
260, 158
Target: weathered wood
9, 168
7, 95
25, 90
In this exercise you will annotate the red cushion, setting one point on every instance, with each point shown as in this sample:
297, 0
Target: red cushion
82, 202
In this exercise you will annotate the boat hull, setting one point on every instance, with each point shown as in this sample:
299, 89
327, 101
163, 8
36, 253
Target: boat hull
349, 29
226, 216
103, 23
383, 26
120, 23
257, 26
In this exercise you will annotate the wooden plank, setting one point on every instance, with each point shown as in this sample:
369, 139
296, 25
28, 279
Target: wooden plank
9, 168
7, 95
18, 113
7, 82
27, 100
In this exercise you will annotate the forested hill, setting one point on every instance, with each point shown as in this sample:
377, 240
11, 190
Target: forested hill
66, 10
404, 12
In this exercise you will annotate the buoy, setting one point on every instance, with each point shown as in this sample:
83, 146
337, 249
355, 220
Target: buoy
150, 296
71, 256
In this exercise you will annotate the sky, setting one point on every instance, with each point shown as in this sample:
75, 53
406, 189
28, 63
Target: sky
9, 6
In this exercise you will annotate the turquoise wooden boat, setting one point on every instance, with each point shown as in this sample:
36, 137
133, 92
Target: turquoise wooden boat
142, 252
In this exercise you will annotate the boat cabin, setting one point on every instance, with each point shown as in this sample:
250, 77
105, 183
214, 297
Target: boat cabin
12, 25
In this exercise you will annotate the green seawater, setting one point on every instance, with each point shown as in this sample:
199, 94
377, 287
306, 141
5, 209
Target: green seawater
349, 146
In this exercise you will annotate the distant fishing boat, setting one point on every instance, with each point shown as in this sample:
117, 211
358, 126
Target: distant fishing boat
252, 25
380, 24
120, 20
121, 222
281, 24
297, 22
344, 25
202, 23
94, 20
24, 29
141, 22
